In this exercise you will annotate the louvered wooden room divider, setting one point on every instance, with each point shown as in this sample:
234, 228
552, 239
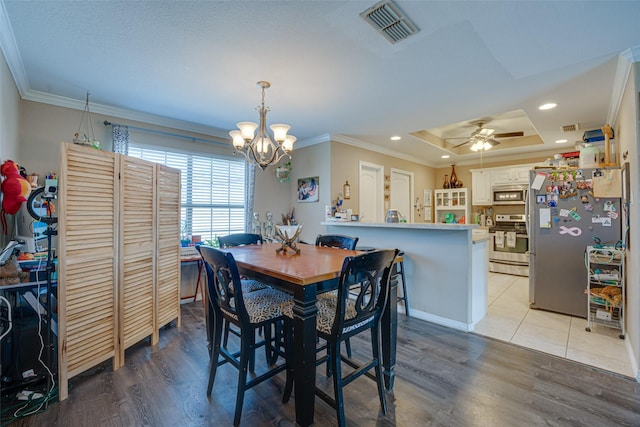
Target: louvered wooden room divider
118, 256
168, 253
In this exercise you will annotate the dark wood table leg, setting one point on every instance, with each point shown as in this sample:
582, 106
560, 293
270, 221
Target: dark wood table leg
390, 335
304, 346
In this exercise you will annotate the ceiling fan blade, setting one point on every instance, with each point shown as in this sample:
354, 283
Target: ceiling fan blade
485, 131
492, 142
508, 134
464, 143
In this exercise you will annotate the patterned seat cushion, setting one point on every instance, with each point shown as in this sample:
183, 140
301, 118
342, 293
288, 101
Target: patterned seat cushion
327, 306
264, 304
250, 285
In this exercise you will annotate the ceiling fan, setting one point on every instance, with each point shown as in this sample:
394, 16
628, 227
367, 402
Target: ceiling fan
484, 138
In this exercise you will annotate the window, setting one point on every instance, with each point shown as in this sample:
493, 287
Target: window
213, 190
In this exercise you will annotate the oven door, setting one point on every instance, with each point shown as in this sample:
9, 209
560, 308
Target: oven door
508, 255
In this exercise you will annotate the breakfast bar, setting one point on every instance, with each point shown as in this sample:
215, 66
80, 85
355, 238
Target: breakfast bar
446, 267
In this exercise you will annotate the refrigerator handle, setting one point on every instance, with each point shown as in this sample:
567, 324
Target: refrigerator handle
526, 210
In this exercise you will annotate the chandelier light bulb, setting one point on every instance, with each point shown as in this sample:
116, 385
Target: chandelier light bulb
238, 141
247, 129
280, 132
287, 145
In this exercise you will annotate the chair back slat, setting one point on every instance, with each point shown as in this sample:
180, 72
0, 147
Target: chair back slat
366, 277
337, 241
239, 239
223, 283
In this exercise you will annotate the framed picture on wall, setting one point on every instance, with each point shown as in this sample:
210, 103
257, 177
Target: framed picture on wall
308, 189
427, 197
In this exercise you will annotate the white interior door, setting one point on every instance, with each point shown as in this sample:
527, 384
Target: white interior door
371, 184
402, 192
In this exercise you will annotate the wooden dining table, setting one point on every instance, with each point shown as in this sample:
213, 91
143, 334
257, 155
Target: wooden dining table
313, 271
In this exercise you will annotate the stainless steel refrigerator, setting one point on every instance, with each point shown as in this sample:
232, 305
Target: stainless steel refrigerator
565, 218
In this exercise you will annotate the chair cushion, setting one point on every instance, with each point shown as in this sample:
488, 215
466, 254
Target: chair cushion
327, 305
250, 285
264, 304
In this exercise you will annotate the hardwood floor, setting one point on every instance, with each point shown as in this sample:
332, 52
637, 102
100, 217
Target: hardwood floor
443, 378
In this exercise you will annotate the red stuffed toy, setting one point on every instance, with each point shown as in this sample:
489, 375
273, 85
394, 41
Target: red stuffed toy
15, 189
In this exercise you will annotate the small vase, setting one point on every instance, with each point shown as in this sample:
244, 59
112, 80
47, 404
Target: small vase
454, 179
446, 183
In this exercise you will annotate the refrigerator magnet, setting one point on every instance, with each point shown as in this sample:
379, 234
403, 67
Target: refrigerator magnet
541, 199
538, 180
612, 215
545, 218
575, 215
609, 206
588, 207
571, 231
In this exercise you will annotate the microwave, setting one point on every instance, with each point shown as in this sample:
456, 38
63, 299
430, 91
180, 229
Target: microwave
509, 195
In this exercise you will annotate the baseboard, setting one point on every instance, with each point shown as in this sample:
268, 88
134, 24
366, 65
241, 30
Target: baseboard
443, 321
632, 358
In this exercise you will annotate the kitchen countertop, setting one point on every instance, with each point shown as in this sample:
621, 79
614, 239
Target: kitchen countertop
414, 225
480, 234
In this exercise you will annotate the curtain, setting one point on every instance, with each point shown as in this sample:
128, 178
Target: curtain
250, 171
120, 138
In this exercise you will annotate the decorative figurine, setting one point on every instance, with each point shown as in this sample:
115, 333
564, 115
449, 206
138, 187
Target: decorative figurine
268, 228
255, 224
288, 234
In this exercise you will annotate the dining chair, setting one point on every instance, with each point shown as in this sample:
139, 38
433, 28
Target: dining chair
342, 317
397, 274
239, 239
248, 285
337, 241
248, 312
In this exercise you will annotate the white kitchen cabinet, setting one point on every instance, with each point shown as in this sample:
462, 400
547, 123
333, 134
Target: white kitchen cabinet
452, 205
481, 187
510, 175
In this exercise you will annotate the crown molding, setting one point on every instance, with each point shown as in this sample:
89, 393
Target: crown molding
11, 52
325, 137
121, 113
375, 148
625, 62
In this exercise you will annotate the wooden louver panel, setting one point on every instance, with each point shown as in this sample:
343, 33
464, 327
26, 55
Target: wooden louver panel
137, 251
168, 245
87, 252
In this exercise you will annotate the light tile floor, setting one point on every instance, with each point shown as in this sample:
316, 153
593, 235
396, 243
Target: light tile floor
510, 319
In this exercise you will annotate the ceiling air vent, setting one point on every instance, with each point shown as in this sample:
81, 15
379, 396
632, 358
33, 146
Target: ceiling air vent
389, 21
570, 128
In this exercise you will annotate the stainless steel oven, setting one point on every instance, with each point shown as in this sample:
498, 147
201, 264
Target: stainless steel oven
509, 195
509, 246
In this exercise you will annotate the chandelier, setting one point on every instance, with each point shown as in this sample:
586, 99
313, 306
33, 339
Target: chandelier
260, 149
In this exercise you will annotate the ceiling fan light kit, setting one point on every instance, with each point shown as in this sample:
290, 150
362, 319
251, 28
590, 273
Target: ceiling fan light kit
483, 139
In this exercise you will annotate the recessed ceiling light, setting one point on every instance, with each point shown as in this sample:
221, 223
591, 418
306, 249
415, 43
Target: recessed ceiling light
396, 138
547, 106
445, 156
561, 141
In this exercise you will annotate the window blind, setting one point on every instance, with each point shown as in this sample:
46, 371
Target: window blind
213, 190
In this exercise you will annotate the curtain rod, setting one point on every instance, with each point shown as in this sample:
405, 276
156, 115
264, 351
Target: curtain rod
160, 132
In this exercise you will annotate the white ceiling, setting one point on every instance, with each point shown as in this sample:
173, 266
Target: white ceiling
193, 65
